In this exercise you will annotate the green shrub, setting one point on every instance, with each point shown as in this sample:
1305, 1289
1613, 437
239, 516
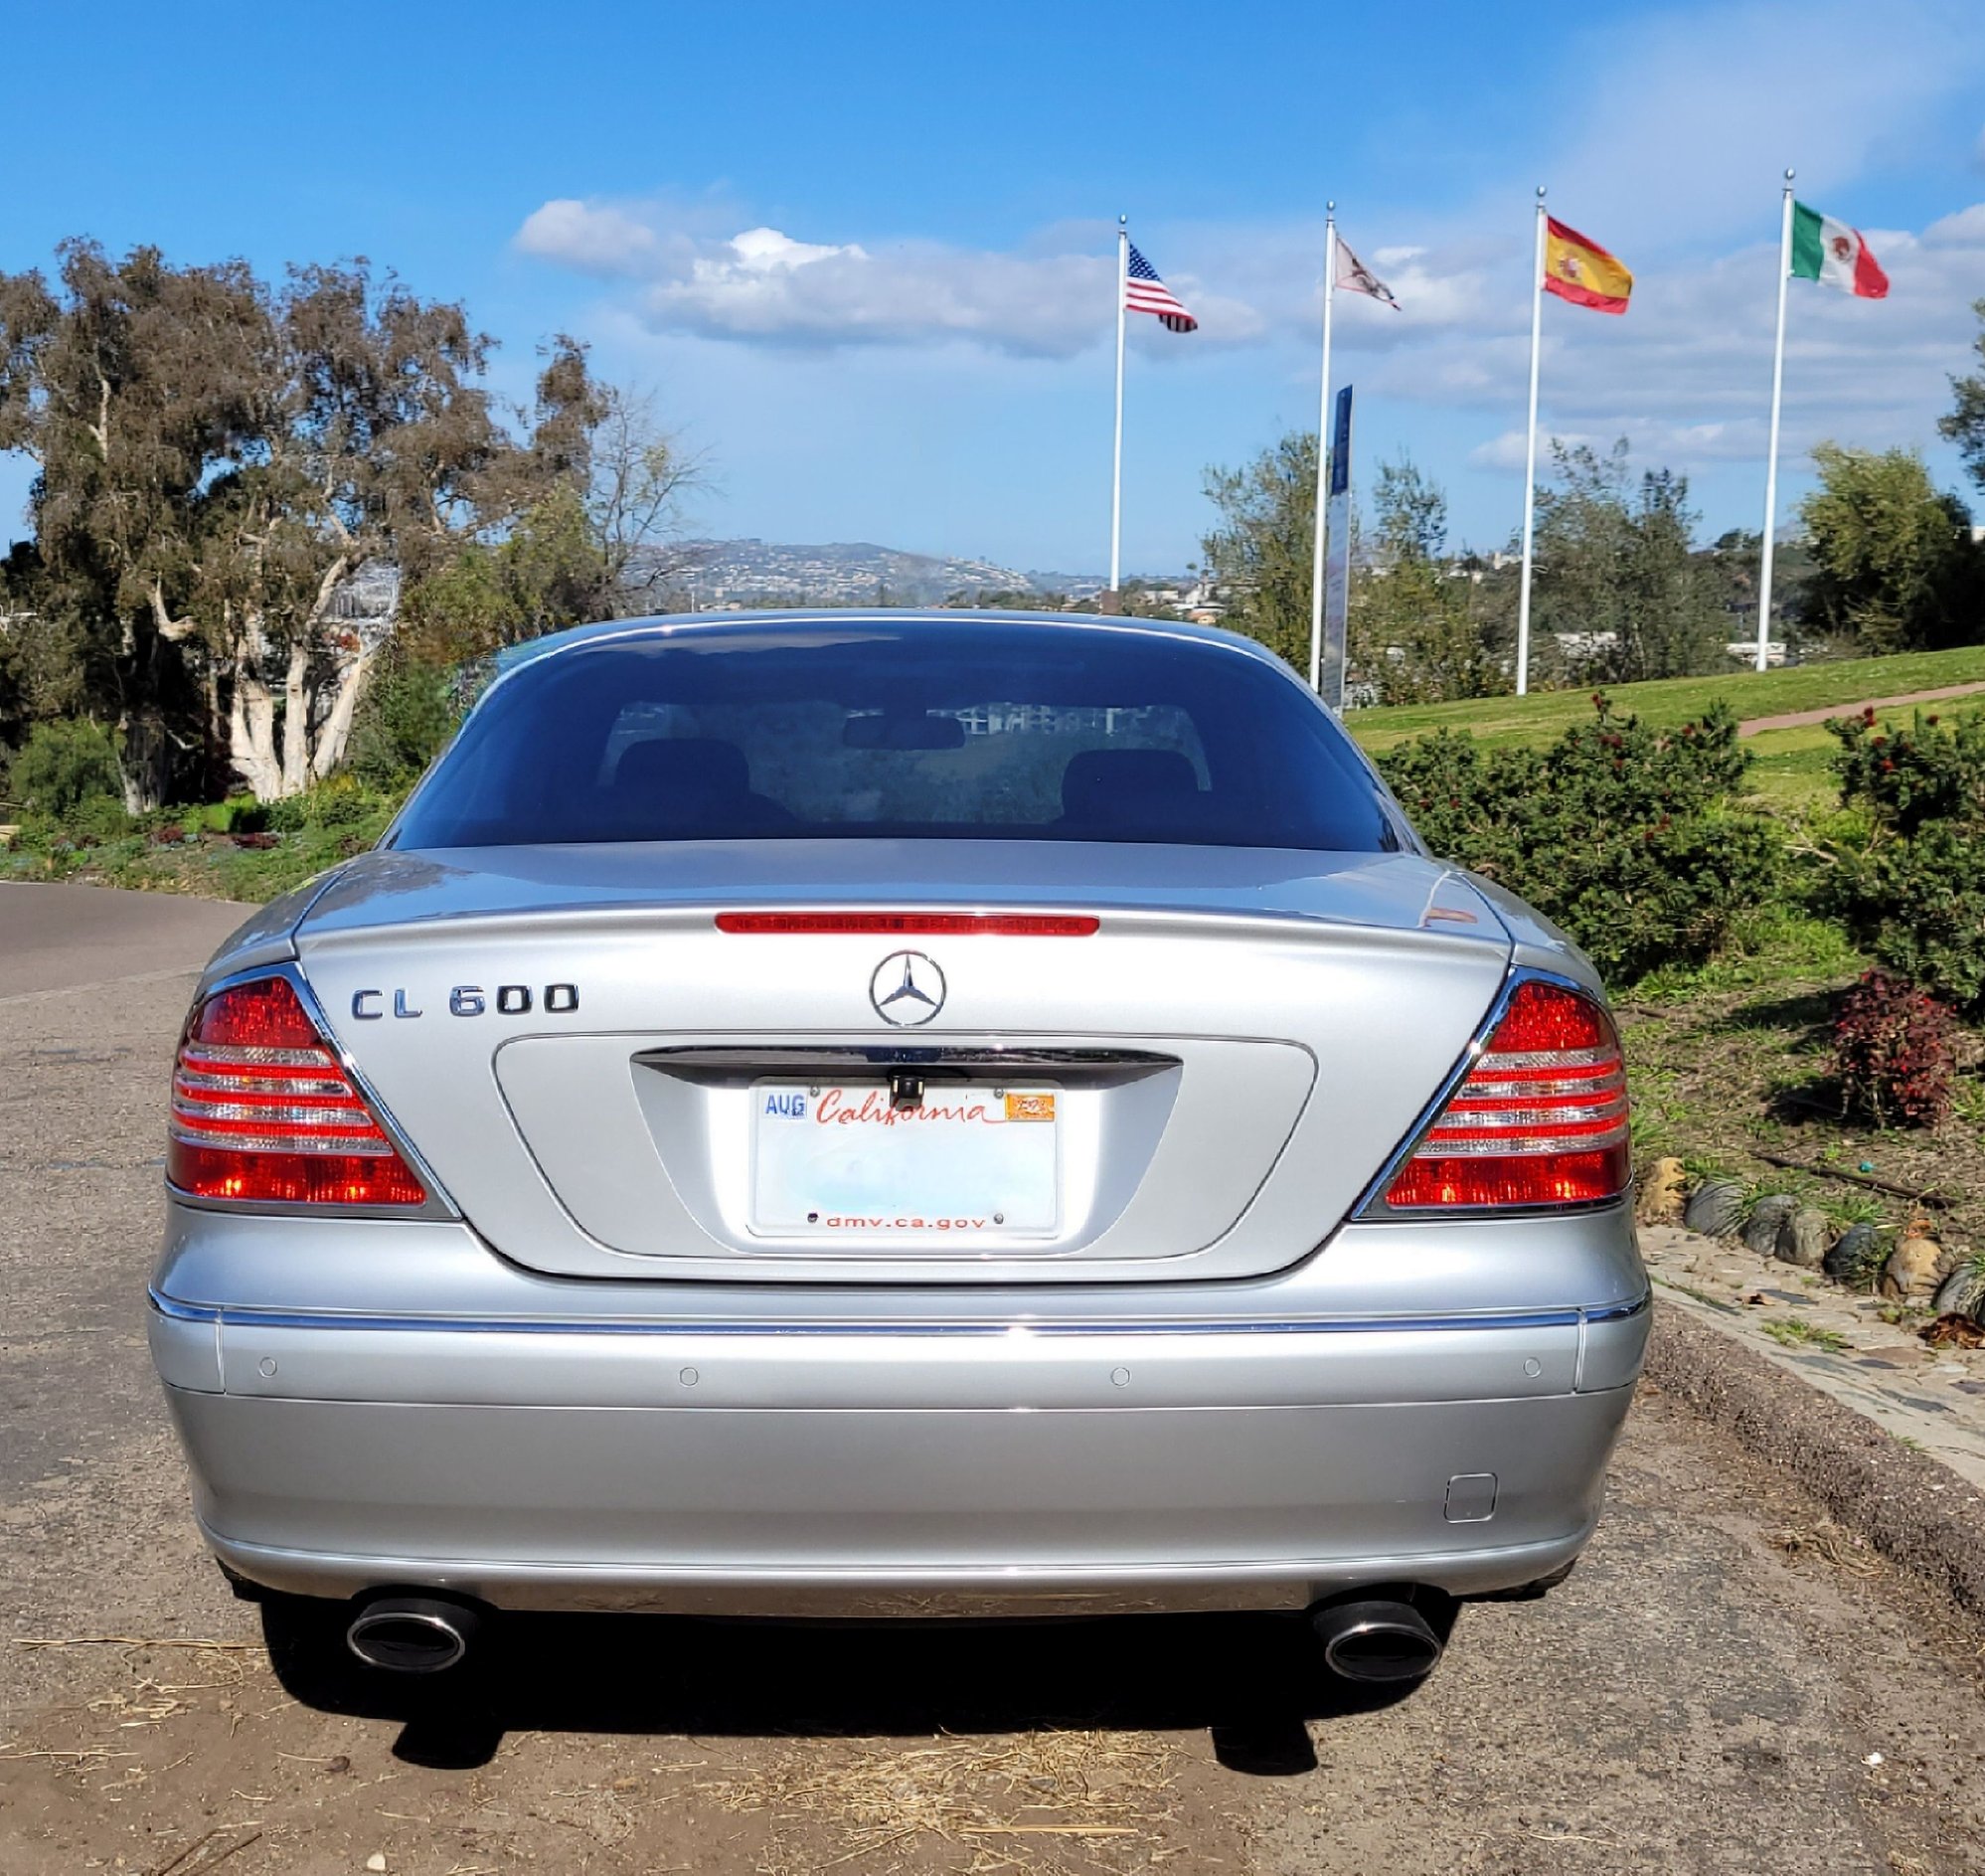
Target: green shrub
64, 764
95, 820
1630, 838
407, 712
238, 814
343, 803
1912, 892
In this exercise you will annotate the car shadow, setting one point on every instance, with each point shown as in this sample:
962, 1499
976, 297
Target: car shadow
1252, 1682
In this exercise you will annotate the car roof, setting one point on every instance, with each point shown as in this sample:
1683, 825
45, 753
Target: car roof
828, 619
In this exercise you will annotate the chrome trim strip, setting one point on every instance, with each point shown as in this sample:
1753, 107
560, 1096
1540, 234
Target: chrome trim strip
1568, 1319
1623, 1311
176, 1312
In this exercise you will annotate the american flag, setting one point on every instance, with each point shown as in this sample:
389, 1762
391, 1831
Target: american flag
1143, 291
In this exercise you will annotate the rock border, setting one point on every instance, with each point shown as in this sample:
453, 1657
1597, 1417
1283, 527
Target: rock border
1916, 1511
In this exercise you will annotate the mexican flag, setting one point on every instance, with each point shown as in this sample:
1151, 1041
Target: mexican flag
1832, 253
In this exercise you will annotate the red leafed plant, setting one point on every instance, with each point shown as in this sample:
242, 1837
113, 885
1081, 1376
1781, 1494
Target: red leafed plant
1895, 1050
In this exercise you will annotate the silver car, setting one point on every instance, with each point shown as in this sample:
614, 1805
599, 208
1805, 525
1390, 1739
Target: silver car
830, 1114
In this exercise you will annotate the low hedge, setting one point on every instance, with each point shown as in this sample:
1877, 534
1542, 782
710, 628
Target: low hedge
1911, 894
1636, 841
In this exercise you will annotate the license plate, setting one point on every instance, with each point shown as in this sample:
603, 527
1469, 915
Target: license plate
836, 1160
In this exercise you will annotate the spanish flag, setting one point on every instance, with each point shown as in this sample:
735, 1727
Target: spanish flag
1582, 271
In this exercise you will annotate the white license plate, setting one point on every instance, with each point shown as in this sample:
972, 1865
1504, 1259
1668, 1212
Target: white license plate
835, 1160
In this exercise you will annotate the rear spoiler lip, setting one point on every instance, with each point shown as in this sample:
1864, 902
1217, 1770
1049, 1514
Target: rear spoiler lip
701, 917
406, 888
260, 944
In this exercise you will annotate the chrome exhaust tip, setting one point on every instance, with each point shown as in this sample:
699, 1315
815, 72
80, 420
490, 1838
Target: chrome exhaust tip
1377, 1640
413, 1635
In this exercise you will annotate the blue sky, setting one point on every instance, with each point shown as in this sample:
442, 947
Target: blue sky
911, 342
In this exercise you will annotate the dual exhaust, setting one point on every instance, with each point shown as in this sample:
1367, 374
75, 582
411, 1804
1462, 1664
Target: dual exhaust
1378, 1641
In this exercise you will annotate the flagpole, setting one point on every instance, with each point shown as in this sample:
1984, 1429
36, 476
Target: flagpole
1116, 480
1772, 448
1530, 456
1322, 453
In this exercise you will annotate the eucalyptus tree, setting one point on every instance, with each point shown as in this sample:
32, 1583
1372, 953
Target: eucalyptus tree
131, 385
1617, 579
1259, 550
222, 464
1964, 425
375, 442
1418, 632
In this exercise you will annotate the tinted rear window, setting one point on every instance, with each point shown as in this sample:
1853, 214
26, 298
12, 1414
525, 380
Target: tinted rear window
927, 730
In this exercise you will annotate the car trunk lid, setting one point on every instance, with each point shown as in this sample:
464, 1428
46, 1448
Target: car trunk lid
605, 1081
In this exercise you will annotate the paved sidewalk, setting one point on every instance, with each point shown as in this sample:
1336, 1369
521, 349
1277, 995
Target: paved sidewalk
1835, 1341
57, 937
1803, 719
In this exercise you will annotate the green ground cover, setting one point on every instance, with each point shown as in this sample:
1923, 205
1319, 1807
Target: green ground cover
1792, 770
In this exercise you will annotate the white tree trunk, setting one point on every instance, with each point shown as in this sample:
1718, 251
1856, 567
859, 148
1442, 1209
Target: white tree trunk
318, 703
251, 731
297, 703
336, 730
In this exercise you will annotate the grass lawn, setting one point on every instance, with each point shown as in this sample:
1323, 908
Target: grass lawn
1541, 717
1792, 770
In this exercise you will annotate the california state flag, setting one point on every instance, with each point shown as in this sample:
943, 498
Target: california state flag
1832, 253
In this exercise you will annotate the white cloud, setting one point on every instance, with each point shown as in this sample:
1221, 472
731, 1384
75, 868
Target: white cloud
766, 251
1651, 440
589, 238
1965, 228
1052, 298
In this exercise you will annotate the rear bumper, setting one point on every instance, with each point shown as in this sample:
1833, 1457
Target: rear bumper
895, 1514
1255, 1450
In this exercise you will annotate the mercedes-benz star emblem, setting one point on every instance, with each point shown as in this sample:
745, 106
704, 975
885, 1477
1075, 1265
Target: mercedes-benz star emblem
908, 989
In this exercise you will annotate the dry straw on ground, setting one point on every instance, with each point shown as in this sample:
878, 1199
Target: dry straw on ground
1832, 1545
1005, 1803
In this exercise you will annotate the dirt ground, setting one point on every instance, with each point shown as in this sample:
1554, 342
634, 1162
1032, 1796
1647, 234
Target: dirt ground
1726, 1684
1728, 1073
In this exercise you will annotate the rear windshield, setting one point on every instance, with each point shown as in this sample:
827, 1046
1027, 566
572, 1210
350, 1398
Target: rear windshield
926, 730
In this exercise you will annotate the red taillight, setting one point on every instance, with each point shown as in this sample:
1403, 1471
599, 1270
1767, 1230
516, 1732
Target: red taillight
913, 924
263, 1111
1540, 1119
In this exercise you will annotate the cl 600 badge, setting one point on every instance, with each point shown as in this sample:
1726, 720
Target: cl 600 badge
470, 999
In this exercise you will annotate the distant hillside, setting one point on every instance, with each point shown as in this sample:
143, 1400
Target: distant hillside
840, 572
